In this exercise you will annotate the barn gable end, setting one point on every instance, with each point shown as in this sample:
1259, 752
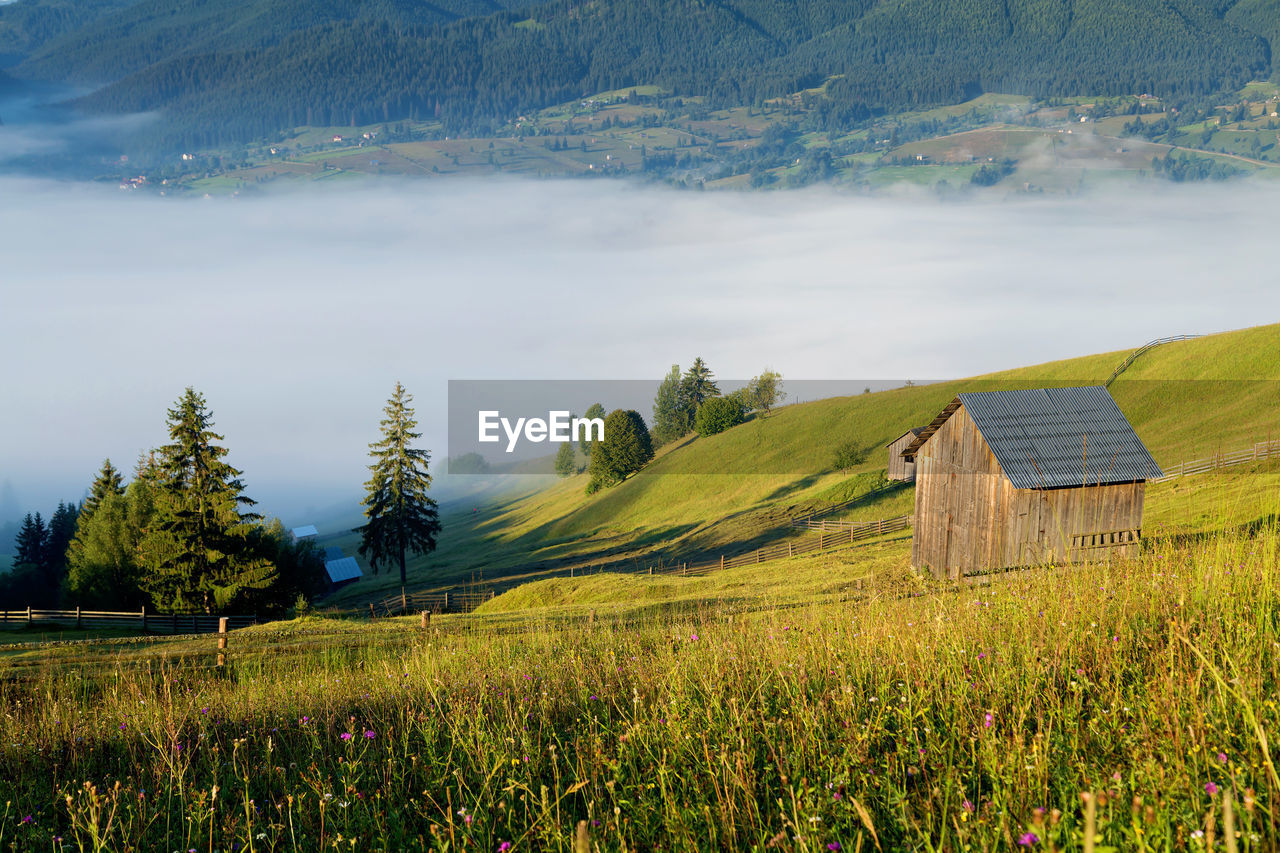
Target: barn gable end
901, 469
973, 511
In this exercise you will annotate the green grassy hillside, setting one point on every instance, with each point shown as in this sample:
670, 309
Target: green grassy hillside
1186, 400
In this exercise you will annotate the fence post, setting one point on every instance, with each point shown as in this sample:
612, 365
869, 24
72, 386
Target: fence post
372, 615
722, 561
144, 617
77, 615
790, 550
222, 640
404, 601
446, 602
426, 619
28, 615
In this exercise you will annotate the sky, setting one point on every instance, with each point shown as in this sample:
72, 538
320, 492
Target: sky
295, 313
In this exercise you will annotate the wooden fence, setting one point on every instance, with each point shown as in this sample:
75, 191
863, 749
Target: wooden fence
140, 620
822, 542
1133, 356
435, 602
1260, 450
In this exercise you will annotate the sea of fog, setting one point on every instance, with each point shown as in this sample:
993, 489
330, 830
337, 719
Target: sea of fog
296, 312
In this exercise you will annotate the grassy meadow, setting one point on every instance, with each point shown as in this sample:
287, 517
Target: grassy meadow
833, 701
905, 715
1186, 400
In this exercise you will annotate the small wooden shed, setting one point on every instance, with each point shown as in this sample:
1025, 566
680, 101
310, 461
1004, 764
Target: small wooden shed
901, 469
1026, 477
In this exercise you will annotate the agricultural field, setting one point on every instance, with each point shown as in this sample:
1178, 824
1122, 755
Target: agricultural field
1061, 146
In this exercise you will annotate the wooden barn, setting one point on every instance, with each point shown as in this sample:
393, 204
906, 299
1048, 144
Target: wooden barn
1025, 477
901, 469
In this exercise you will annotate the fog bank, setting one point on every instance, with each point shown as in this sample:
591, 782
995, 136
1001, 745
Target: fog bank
295, 314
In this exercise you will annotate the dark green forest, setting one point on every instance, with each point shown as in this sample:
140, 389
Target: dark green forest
232, 70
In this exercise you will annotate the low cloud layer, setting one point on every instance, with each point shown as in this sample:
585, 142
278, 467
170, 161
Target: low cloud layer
296, 313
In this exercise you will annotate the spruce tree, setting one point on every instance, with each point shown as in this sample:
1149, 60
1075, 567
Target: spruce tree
204, 558
698, 384
108, 482
29, 545
62, 529
401, 518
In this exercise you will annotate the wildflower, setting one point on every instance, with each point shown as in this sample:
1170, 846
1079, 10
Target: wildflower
834, 845
504, 847
1210, 788
369, 734
29, 819
1222, 757
345, 735
693, 637
986, 723
1028, 839
1198, 834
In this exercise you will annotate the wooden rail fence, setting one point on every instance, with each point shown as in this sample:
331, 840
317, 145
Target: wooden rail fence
1133, 356
1260, 450
155, 623
433, 602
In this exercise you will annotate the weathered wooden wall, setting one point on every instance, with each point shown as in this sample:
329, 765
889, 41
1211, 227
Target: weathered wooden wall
969, 517
900, 469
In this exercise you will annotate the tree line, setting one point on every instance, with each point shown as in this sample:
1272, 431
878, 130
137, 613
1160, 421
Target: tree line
689, 401
181, 535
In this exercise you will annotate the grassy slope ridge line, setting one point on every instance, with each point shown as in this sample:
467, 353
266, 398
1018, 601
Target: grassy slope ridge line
1186, 400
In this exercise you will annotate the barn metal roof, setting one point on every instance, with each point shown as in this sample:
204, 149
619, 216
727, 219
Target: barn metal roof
303, 532
345, 569
1047, 438
912, 431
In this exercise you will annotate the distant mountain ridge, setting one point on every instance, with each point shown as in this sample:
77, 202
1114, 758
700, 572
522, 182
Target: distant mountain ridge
230, 70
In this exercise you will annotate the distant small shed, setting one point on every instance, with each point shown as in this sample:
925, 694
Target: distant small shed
1023, 477
342, 571
305, 532
901, 469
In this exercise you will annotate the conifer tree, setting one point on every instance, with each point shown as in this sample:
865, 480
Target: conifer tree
204, 556
401, 517
29, 545
698, 384
62, 529
106, 483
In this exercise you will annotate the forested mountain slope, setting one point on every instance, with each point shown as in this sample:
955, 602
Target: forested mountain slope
232, 69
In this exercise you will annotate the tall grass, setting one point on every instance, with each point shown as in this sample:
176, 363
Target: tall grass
927, 718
